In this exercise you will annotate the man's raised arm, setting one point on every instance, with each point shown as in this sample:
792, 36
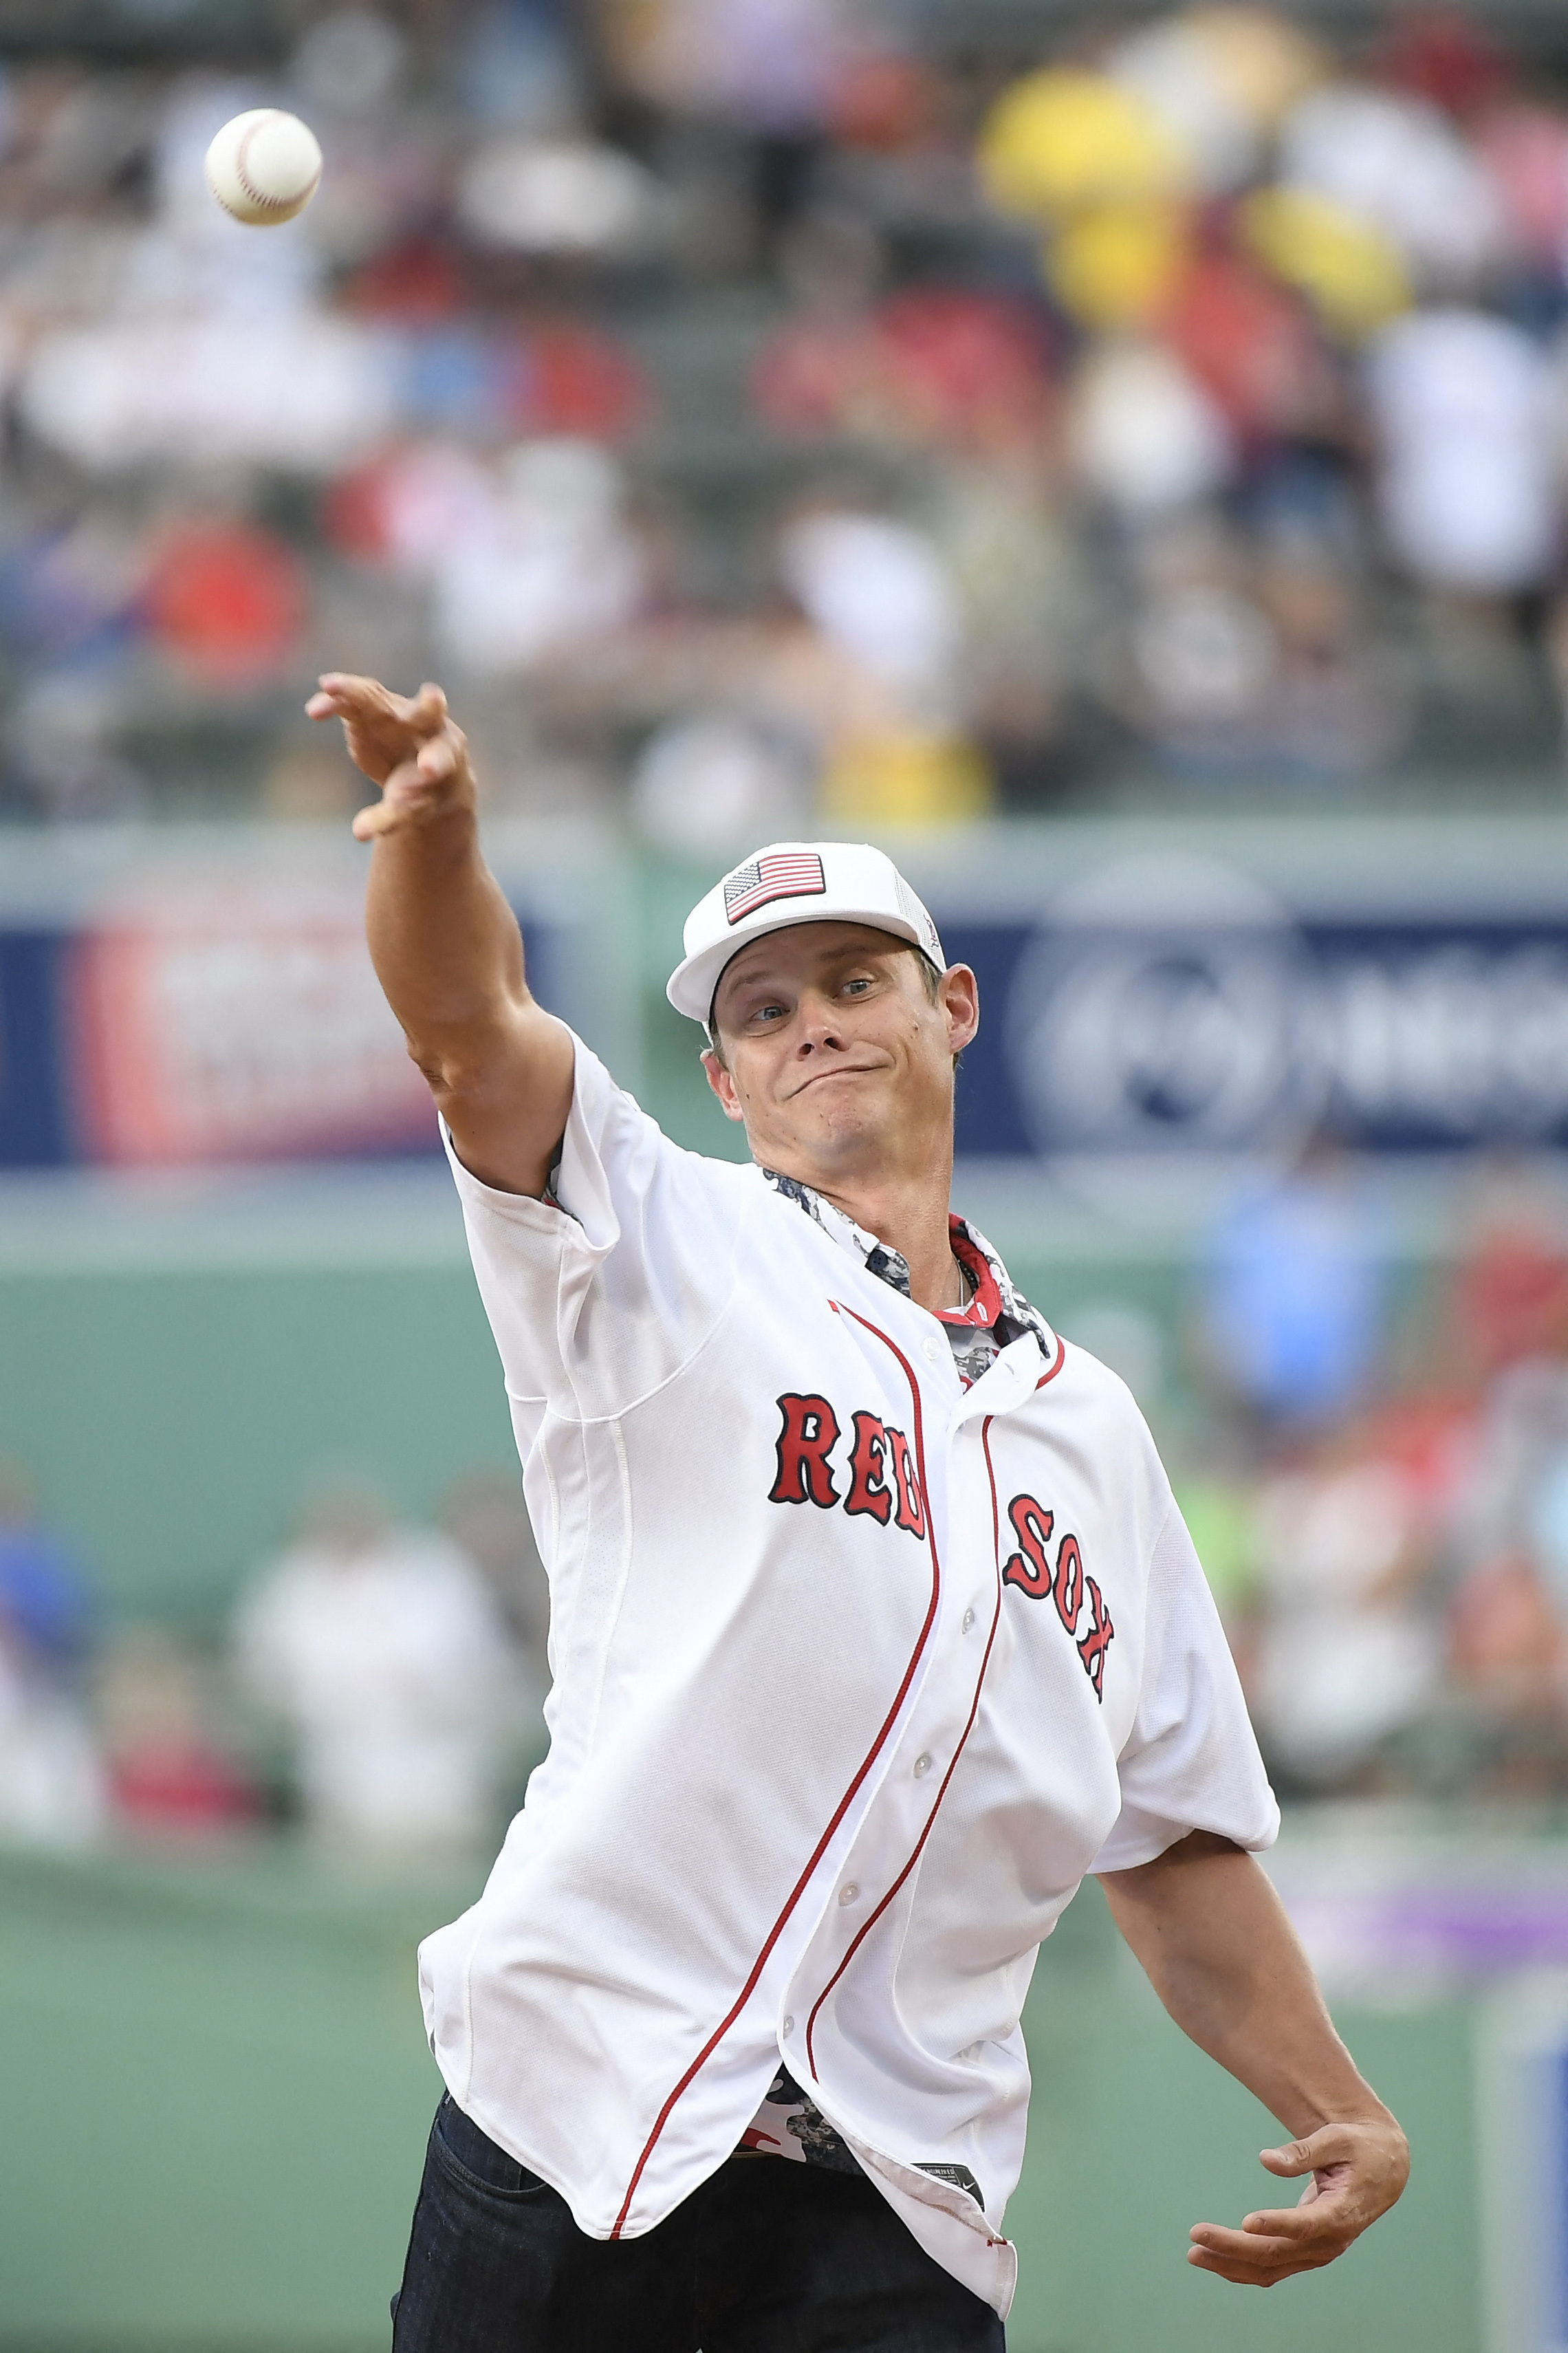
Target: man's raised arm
445, 942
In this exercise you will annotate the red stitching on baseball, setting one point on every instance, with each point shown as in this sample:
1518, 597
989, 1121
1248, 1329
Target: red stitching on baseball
268, 204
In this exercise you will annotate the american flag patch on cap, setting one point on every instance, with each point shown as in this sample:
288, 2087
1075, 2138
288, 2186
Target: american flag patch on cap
777, 874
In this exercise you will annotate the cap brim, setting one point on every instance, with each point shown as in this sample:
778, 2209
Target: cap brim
691, 985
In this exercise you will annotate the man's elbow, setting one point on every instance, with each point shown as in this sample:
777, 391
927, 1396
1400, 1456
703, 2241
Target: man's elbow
1140, 1878
514, 1062
456, 1071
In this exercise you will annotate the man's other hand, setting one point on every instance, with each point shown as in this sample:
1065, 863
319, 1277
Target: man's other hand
1358, 2169
407, 744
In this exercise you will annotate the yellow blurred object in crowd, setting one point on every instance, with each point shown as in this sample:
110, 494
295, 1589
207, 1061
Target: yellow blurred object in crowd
906, 780
1353, 276
1222, 1520
1062, 139
1261, 61
1118, 265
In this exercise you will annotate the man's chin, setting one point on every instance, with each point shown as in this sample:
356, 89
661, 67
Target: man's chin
842, 1129
838, 1126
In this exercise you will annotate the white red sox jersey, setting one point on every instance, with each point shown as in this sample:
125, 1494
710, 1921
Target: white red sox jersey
856, 1672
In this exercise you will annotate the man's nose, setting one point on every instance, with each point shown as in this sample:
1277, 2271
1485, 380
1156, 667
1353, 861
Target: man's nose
819, 1022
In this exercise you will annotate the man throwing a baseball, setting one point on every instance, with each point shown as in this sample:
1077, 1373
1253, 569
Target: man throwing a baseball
874, 1628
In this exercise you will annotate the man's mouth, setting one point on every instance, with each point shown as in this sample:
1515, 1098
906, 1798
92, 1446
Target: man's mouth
840, 1070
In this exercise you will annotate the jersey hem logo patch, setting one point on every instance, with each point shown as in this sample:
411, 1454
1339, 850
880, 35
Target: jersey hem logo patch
957, 2177
781, 874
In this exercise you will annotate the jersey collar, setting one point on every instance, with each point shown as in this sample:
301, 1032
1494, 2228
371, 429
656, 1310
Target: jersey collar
996, 1302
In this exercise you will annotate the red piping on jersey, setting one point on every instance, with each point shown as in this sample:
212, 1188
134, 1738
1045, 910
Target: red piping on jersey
871, 1921
776, 1931
1056, 1368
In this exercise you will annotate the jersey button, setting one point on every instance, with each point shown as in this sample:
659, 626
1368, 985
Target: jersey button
968, 1619
847, 1894
923, 1765
933, 1351
789, 2026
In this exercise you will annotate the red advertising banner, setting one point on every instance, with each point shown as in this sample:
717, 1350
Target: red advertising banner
216, 1021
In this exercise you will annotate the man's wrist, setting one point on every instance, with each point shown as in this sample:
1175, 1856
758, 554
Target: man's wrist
448, 830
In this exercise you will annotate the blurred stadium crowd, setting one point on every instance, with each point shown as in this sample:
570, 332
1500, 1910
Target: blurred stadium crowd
1376, 1478
760, 407
380, 1683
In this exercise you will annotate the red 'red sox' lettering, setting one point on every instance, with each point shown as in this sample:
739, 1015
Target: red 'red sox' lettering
1030, 1570
1097, 1642
1067, 1586
911, 1510
883, 1483
809, 1435
868, 1491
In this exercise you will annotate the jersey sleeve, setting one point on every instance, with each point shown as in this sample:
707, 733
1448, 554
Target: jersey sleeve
1191, 1761
598, 1294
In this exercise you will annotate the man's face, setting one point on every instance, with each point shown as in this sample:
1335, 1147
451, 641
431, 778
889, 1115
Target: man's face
833, 1054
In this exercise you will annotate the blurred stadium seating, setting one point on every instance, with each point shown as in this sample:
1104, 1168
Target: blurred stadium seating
1118, 457
1214, 427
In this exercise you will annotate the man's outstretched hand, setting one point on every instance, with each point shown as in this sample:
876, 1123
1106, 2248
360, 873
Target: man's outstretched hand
1358, 2171
407, 744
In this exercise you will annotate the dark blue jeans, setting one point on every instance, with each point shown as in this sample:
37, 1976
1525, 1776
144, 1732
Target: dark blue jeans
766, 2257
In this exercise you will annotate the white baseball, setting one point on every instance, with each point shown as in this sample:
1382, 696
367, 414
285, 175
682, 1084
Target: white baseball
264, 166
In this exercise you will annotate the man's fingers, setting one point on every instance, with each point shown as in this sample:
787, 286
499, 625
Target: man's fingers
1262, 2248
1265, 2255
393, 813
340, 691
366, 702
412, 791
437, 759
1241, 2274
1289, 2222
1275, 2243
1202, 2259
1359, 2167
1263, 2236
1331, 2145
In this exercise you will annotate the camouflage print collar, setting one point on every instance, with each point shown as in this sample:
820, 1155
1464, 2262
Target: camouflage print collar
1016, 1317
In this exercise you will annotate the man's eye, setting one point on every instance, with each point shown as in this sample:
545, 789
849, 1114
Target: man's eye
852, 988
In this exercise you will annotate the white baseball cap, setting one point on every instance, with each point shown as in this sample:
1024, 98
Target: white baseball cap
794, 882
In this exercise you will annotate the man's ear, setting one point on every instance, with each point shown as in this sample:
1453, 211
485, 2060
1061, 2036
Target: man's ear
722, 1085
960, 994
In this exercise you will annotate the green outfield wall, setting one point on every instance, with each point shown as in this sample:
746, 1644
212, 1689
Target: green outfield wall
217, 2089
171, 1416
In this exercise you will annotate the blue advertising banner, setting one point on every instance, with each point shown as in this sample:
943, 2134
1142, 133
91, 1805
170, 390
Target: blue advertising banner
1398, 1035
36, 1128
1522, 2099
